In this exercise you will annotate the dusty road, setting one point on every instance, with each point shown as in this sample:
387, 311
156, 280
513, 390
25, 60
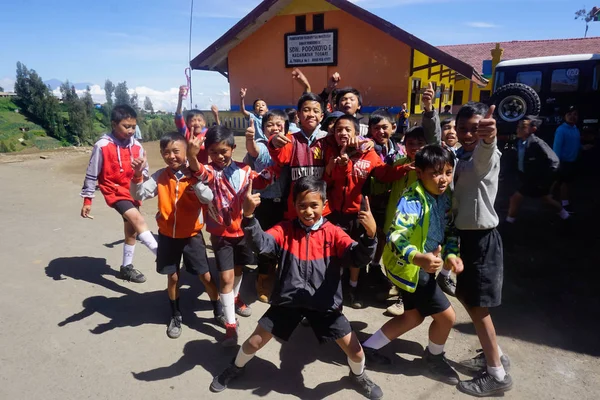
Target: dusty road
71, 330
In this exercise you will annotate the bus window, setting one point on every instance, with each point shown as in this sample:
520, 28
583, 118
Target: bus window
531, 78
499, 79
565, 80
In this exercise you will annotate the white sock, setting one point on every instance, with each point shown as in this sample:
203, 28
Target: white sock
237, 284
500, 353
227, 300
445, 272
353, 283
376, 341
435, 349
242, 358
147, 239
564, 214
511, 220
128, 251
565, 203
497, 372
357, 368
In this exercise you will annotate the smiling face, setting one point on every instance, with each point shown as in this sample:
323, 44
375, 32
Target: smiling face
310, 115
124, 129
382, 131
274, 126
220, 154
466, 130
196, 124
434, 180
449, 134
174, 154
260, 108
348, 104
309, 207
344, 131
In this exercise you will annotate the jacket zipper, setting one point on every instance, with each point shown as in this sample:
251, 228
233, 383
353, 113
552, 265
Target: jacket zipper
344, 194
307, 261
175, 207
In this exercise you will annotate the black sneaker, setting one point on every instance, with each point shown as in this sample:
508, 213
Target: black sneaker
128, 273
374, 357
366, 386
479, 363
221, 381
446, 284
485, 385
354, 298
174, 328
439, 369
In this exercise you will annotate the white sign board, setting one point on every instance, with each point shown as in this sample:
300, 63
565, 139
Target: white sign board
319, 48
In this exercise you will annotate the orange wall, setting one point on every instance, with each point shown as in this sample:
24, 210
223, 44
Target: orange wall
369, 60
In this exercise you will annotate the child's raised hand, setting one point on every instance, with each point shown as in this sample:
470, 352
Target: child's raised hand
279, 140
243, 93
455, 264
85, 211
251, 201
430, 262
138, 166
428, 97
194, 146
250, 130
334, 80
299, 76
214, 109
487, 127
343, 158
365, 218
183, 91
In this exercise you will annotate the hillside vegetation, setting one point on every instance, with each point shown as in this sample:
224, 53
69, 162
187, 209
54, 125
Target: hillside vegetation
11, 125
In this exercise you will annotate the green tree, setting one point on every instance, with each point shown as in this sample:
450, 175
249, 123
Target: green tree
148, 105
109, 89
4, 148
587, 17
121, 94
1, 89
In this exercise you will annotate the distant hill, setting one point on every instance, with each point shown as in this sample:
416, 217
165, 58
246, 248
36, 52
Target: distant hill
55, 83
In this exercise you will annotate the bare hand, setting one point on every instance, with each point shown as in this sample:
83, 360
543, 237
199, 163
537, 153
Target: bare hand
243, 93
300, 77
280, 140
455, 264
183, 91
138, 166
430, 262
410, 167
334, 80
251, 201
250, 130
194, 146
85, 211
487, 127
214, 109
428, 97
343, 158
365, 218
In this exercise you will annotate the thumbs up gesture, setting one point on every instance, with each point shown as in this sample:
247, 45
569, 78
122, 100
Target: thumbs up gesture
365, 218
430, 262
250, 131
251, 201
486, 130
428, 97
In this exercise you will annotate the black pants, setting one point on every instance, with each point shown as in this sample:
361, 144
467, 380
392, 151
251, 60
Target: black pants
269, 213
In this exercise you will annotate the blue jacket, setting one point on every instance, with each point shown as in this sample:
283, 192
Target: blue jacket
567, 142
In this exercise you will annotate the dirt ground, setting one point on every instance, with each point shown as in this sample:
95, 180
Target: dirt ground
71, 329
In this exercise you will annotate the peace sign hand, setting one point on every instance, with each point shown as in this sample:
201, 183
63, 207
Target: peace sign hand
251, 201
365, 218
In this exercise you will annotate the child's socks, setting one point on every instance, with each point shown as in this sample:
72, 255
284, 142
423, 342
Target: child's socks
147, 239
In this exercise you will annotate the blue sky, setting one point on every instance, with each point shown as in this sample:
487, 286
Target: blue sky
145, 42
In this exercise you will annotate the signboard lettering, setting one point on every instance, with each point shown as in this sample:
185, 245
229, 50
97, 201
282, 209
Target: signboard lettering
318, 48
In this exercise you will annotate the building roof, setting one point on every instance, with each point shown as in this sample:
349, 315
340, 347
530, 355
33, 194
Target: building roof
475, 54
214, 57
549, 60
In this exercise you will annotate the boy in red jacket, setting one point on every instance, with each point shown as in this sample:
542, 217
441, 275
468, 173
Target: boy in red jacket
111, 169
347, 171
311, 253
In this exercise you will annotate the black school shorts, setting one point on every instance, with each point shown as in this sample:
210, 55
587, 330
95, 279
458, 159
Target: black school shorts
428, 299
122, 206
534, 188
567, 171
328, 326
480, 284
170, 251
230, 251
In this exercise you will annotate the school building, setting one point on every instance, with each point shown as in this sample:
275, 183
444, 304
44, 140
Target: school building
388, 65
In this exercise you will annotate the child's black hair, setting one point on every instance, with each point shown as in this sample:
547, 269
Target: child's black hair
379, 115
192, 113
256, 101
171, 137
470, 109
311, 184
292, 113
433, 156
344, 91
279, 114
310, 97
350, 118
121, 112
446, 121
219, 134
416, 132
569, 109
534, 121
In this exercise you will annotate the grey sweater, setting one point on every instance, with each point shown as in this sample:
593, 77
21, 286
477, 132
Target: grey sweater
475, 180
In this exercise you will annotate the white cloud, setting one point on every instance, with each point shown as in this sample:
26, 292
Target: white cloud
7, 84
480, 24
165, 100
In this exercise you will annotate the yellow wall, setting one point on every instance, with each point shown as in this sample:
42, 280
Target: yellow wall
422, 59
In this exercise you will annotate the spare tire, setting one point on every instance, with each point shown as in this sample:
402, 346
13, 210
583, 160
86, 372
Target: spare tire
514, 101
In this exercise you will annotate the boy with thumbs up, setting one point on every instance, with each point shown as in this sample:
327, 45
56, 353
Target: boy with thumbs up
420, 242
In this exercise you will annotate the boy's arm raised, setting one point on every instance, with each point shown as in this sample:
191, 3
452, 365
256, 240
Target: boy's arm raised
280, 148
484, 156
259, 241
215, 111
431, 119
251, 146
179, 120
299, 77
243, 110
203, 174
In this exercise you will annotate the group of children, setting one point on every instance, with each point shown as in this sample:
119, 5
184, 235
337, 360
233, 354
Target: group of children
328, 200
